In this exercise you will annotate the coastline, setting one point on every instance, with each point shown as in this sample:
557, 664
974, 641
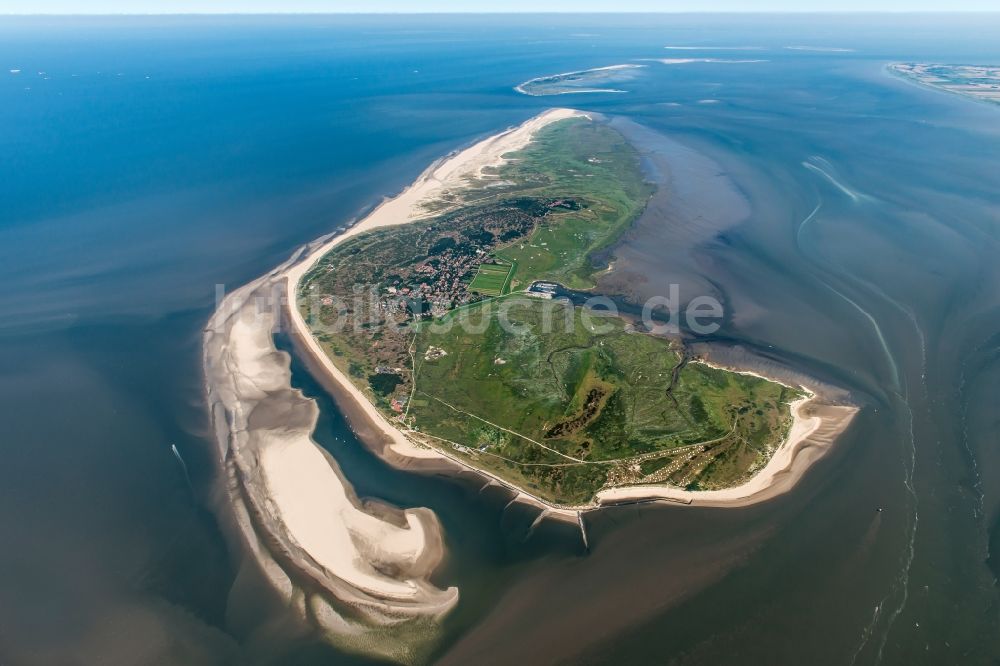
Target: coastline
898, 70
814, 426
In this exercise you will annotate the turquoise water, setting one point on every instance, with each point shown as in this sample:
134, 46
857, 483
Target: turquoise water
855, 241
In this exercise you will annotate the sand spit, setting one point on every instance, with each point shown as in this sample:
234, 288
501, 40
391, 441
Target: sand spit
358, 571
820, 49
688, 61
714, 48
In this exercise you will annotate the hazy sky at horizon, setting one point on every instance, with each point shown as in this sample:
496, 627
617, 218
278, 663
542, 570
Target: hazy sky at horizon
275, 6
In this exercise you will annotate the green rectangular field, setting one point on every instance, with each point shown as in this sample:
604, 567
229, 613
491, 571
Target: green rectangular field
491, 279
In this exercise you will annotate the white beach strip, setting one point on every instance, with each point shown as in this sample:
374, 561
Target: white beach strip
720, 61
358, 571
714, 48
820, 49
580, 91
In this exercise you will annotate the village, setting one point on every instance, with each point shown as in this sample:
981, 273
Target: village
434, 286
444, 279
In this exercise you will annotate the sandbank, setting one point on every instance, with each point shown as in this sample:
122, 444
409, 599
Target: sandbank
355, 569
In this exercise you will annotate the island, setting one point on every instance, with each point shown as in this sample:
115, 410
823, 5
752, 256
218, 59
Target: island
453, 323
459, 328
978, 82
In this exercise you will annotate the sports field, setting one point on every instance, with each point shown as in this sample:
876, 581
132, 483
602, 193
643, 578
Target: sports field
491, 279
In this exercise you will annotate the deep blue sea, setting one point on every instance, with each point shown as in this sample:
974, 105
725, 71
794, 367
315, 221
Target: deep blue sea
146, 163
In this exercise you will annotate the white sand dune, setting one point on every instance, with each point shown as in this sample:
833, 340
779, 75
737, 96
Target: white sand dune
304, 491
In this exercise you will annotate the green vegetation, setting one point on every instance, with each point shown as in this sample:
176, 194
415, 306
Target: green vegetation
565, 401
554, 405
601, 170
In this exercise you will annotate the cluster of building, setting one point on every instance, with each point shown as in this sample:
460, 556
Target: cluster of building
435, 285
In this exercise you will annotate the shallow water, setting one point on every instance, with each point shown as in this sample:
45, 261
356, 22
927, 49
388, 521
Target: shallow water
856, 242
